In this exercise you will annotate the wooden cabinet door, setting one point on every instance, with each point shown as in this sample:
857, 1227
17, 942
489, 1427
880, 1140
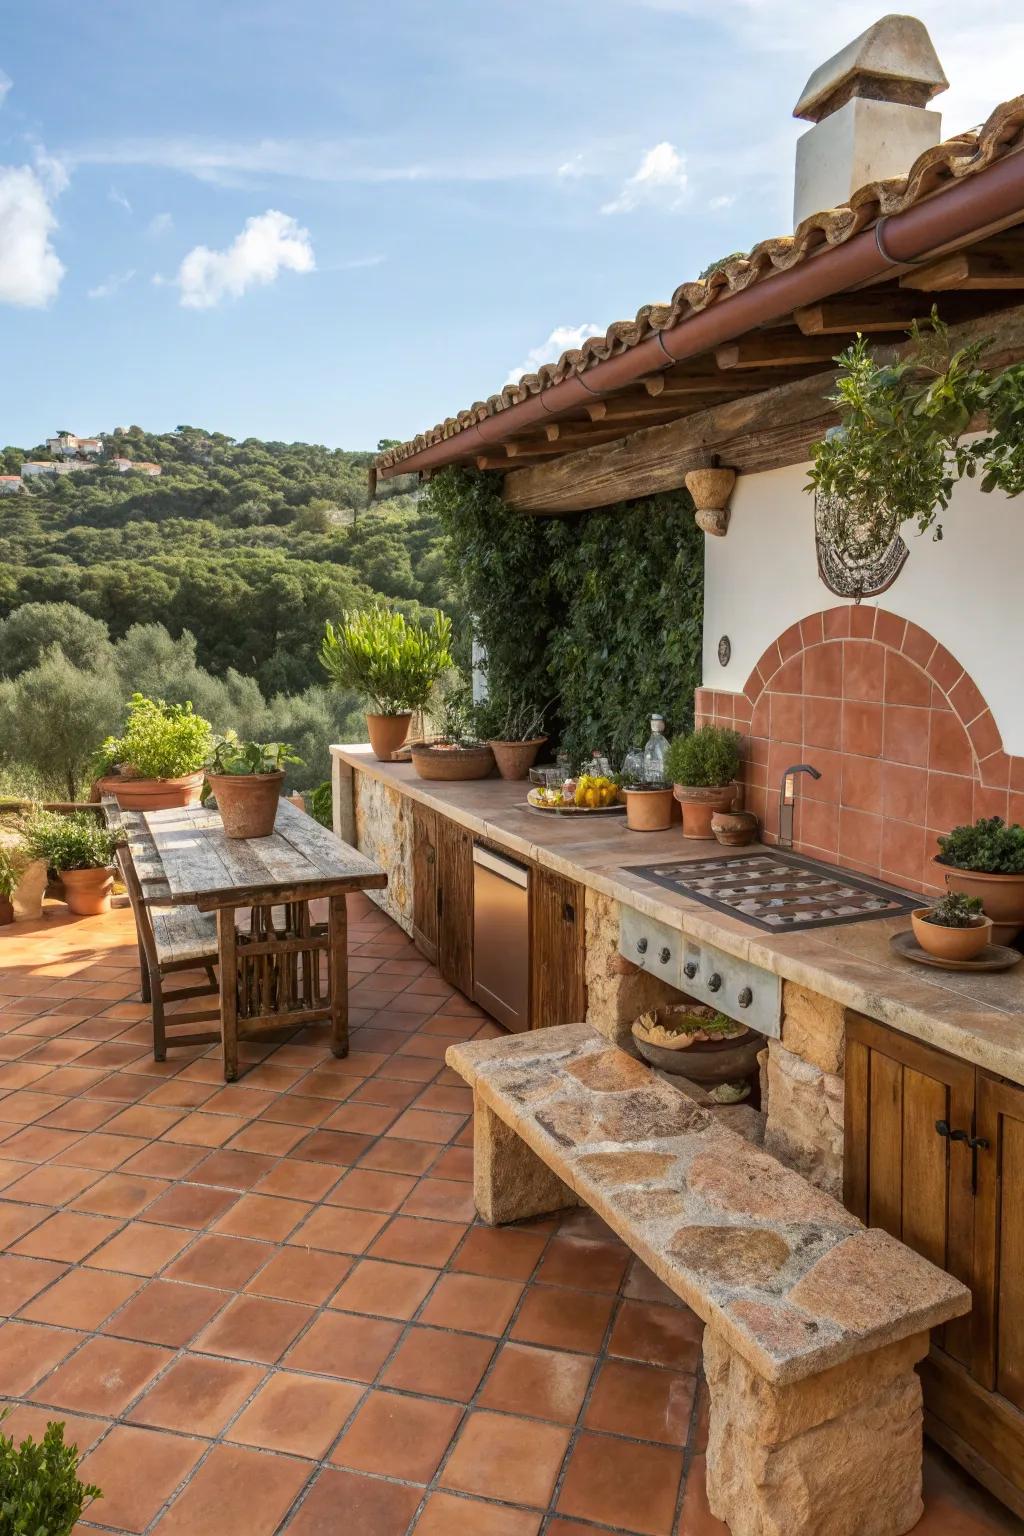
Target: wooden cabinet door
902, 1173
999, 1285
558, 988
454, 852
424, 881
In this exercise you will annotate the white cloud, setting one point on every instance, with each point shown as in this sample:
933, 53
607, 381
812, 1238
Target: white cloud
30, 269
270, 243
569, 170
660, 179
562, 339
5, 84
159, 224
119, 198
111, 284
723, 200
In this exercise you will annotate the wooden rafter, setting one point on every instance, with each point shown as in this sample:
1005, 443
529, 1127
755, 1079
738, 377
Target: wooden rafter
775, 349
969, 271
873, 311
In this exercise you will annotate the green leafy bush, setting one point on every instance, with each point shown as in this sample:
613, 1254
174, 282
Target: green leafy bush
160, 741
76, 841
11, 865
708, 759
321, 804
41, 1493
391, 663
955, 910
989, 846
238, 758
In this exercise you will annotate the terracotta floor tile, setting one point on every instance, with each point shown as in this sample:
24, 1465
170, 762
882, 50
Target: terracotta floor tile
254, 1328
84, 1298
342, 1344
439, 1364
589, 1266
501, 1252
265, 1216
119, 1194
426, 1125
696, 1519
411, 1240
163, 1160
21, 1279
454, 1163
50, 1185
339, 1148
28, 1351
657, 1335
397, 1436
339, 1230
472, 1304
368, 1119
68, 1236
443, 1199
447, 1515
180, 1093
101, 1151
385, 1092
500, 1457
643, 1285
388, 1156
297, 1109
28, 1419
199, 1129
302, 1415
232, 1170
295, 1179
104, 1376
267, 1136
563, 1319
198, 1394
138, 1470
141, 1248
166, 1312
37, 1144
298, 1274
544, 1383
640, 1400
191, 1205
623, 1483
146, 1120
238, 1099
365, 1190
381, 1289
236, 1492
372, 1507
223, 1262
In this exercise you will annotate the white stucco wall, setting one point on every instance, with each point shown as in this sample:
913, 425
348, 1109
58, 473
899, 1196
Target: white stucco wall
967, 590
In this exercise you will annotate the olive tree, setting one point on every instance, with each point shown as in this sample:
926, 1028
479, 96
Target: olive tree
30, 631
54, 716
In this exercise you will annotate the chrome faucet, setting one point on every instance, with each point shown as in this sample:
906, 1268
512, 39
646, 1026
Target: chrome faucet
787, 800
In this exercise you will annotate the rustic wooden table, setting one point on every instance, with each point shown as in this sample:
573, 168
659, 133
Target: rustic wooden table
269, 967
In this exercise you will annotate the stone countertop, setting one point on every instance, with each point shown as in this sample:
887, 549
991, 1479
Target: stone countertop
979, 1018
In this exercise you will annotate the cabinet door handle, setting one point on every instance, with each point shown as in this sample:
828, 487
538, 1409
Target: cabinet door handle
978, 1143
942, 1126
569, 912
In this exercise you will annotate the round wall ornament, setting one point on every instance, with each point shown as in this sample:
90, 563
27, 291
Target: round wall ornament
855, 560
724, 650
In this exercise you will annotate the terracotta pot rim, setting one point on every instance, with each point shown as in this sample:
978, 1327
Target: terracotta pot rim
396, 714
93, 869
979, 874
245, 778
702, 792
135, 779
978, 920
525, 741
446, 751
647, 789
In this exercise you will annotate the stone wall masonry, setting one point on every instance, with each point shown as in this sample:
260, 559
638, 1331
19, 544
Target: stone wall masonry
382, 820
617, 990
805, 1118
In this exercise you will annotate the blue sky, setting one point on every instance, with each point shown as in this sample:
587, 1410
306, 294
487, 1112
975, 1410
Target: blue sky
338, 221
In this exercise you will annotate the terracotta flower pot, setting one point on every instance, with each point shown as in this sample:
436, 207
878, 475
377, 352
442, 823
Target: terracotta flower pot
648, 810
6, 912
1001, 896
734, 829
951, 943
87, 891
387, 733
247, 802
516, 758
699, 805
155, 794
449, 764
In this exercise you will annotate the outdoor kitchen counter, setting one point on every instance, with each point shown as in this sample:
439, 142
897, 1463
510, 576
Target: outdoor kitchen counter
977, 1018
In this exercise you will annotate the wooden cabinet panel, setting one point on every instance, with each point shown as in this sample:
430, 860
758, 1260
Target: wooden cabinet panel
454, 852
558, 988
424, 881
999, 1292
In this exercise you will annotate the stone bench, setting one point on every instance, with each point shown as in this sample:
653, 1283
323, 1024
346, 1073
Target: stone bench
813, 1321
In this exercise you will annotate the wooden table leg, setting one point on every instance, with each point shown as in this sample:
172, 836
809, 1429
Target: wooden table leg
227, 945
337, 973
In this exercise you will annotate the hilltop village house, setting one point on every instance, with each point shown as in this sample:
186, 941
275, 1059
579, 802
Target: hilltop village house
896, 677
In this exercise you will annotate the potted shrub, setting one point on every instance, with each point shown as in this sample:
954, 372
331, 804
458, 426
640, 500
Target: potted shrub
159, 757
987, 860
246, 777
955, 928
10, 874
391, 664
703, 769
454, 752
514, 730
40, 1490
81, 851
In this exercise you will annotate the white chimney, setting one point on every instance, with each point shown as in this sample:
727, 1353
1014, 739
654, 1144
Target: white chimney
868, 106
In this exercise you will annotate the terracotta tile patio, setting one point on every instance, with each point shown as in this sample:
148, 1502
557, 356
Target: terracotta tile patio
266, 1307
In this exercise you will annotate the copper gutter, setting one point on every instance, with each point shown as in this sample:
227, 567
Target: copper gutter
947, 218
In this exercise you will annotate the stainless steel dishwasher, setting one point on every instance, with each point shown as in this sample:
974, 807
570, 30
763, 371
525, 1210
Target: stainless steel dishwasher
501, 937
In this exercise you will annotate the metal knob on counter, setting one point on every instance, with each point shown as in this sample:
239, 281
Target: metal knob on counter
641, 946
665, 956
690, 969
714, 982
745, 998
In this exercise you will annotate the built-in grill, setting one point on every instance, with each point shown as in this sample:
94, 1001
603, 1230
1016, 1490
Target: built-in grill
777, 891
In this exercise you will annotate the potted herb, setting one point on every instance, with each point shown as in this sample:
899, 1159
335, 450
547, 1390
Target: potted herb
392, 664
455, 752
987, 860
41, 1493
159, 757
703, 769
955, 928
696, 1041
246, 777
81, 851
513, 728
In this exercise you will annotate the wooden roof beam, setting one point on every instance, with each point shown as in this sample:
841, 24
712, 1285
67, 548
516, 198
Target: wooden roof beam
873, 311
775, 349
968, 272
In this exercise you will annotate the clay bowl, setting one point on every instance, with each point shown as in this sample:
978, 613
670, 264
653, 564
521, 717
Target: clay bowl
706, 1061
734, 829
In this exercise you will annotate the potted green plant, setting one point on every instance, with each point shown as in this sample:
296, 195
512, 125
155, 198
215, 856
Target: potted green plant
41, 1493
987, 860
246, 777
81, 851
10, 874
454, 752
513, 728
392, 664
159, 756
703, 769
648, 806
955, 928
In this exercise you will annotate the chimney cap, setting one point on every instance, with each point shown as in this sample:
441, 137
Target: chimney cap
893, 60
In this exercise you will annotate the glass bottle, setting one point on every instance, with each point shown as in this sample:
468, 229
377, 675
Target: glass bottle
655, 751
633, 766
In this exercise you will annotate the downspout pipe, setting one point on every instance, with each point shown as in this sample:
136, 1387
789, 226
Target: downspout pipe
947, 218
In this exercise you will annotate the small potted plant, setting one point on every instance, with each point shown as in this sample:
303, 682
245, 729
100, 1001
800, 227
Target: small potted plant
157, 762
392, 664
455, 752
987, 860
246, 777
40, 1490
648, 806
81, 851
955, 928
703, 769
514, 730
10, 874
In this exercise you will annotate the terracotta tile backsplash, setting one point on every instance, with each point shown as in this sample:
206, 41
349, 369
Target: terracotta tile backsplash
903, 738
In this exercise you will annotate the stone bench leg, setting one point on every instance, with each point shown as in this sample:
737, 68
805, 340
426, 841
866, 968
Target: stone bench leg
509, 1180
838, 1454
